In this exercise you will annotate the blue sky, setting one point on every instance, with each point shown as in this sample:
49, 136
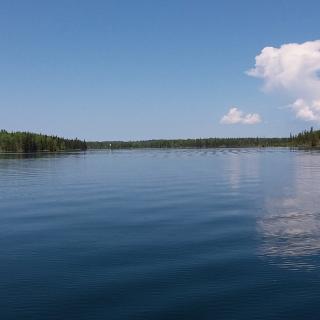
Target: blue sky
146, 69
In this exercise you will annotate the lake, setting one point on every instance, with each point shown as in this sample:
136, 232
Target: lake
160, 234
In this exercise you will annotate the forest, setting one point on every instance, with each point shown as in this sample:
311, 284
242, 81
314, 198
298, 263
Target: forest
32, 142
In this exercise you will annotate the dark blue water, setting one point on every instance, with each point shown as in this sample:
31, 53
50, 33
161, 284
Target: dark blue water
160, 234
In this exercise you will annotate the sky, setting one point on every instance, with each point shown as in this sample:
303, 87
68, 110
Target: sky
127, 70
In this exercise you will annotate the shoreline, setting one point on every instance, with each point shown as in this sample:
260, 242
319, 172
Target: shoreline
160, 148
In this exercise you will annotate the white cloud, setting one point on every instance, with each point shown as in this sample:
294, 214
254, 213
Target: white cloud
293, 69
305, 111
237, 116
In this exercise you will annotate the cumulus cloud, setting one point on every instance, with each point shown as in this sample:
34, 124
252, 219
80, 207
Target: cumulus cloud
293, 69
237, 116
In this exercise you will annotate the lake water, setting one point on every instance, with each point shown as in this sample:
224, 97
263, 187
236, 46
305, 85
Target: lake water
160, 234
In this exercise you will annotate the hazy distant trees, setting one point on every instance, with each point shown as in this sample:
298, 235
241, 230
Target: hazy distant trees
304, 139
193, 143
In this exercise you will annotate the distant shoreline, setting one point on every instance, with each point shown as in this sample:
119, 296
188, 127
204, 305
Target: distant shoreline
27, 142
43, 153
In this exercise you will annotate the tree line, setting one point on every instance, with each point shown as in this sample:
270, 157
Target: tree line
309, 138
32, 142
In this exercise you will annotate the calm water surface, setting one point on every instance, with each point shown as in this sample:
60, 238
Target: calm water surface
160, 234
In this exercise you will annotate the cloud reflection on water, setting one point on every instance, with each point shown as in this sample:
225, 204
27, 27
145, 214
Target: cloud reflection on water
242, 169
291, 226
